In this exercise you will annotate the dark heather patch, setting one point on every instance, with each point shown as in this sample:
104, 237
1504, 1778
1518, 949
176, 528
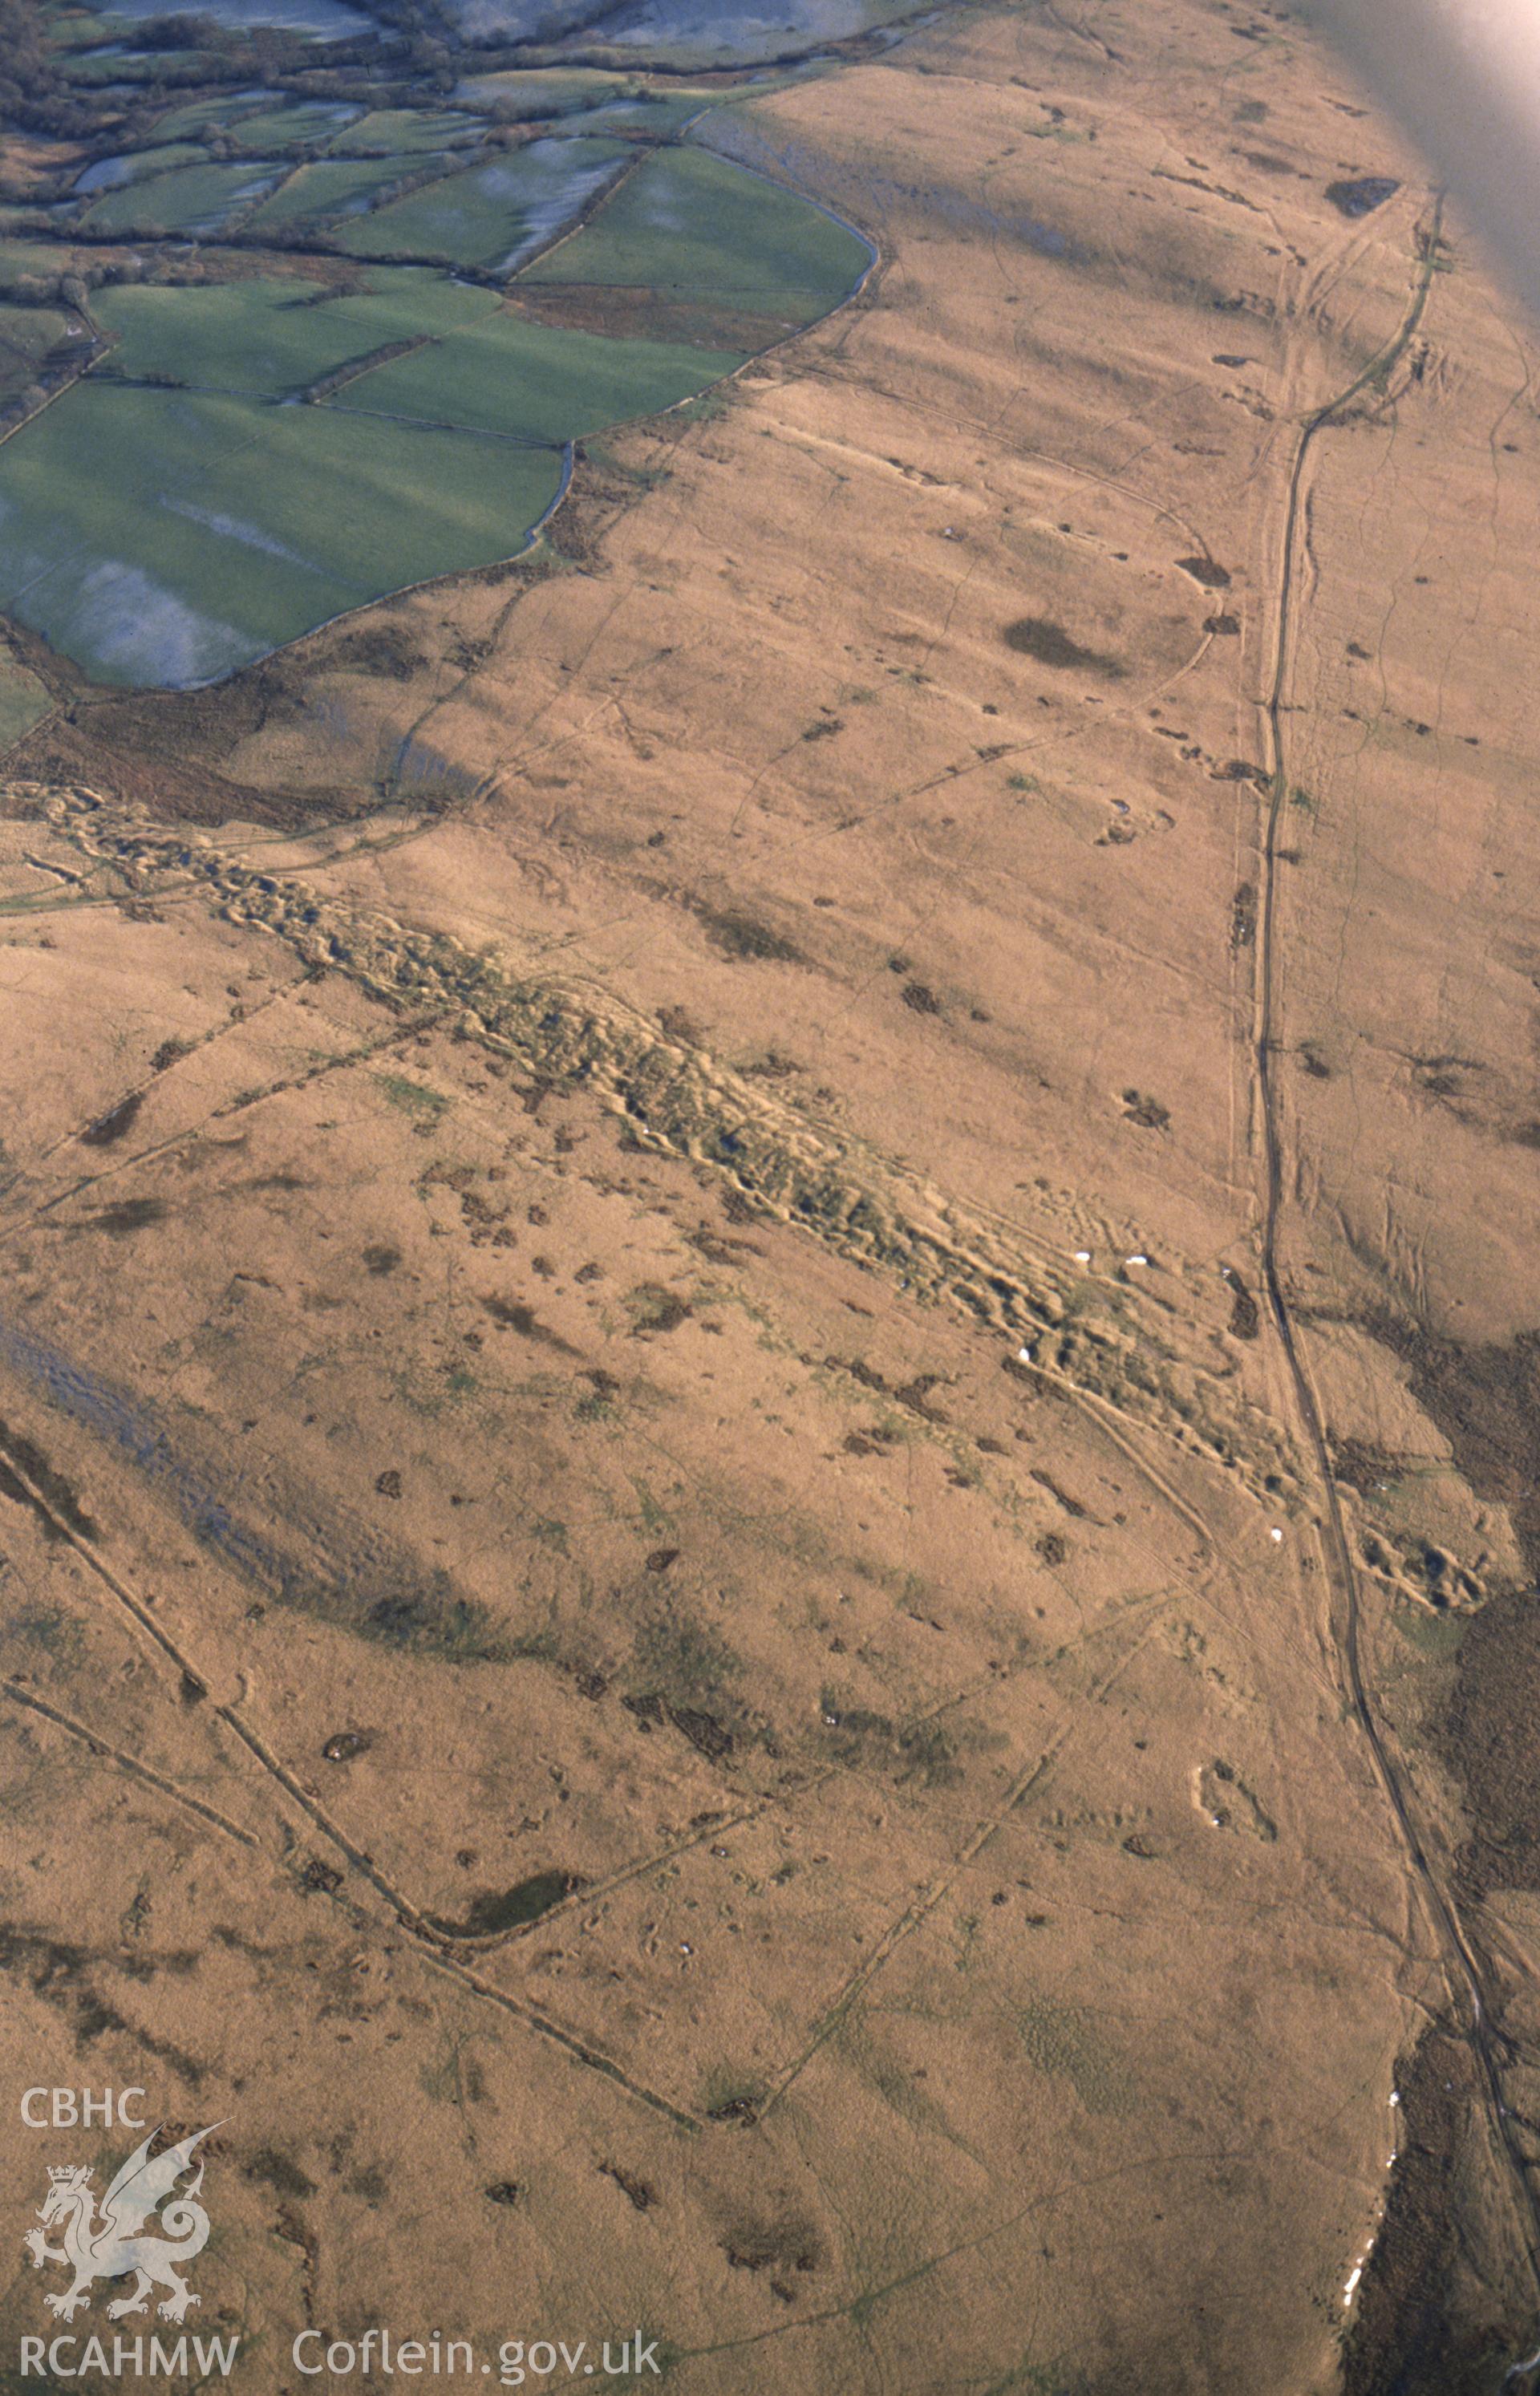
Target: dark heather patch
1486, 1402
1359, 195
1071, 1505
1365, 1467
59, 1973
1245, 1320
496, 1911
423, 1620
641, 2196
779, 2248
270, 2168
703, 1731
654, 1309
55, 1502
1040, 638
1204, 570
1428, 2320
739, 935
130, 1215
115, 1122
512, 1314
1148, 1112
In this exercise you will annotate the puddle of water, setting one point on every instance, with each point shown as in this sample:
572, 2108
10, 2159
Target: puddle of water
106, 174
193, 201
568, 188
249, 536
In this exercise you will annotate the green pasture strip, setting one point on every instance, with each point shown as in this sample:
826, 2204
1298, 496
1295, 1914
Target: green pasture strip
193, 200
23, 701
485, 215
159, 538
390, 132
275, 334
223, 109
135, 165
329, 188
301, 121
690, 225
521, 93
31, 332
535, 382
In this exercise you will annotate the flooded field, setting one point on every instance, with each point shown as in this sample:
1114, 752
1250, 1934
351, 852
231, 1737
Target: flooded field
296, 368
495, 216
166, 538
329, 20
684, 33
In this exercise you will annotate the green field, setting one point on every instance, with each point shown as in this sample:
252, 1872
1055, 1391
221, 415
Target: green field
587, 93
397, 132
224, 109
484, 368
114, 174
326, 188
490, 216
193, 200
150, 68
181, 511
286, 128
535, 382
26, 337
273, 336
691, 226
24, 262
523, 93
23, 701
77, 29
160, 538
656, 113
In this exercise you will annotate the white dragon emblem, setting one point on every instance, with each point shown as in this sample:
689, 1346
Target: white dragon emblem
112, 2247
